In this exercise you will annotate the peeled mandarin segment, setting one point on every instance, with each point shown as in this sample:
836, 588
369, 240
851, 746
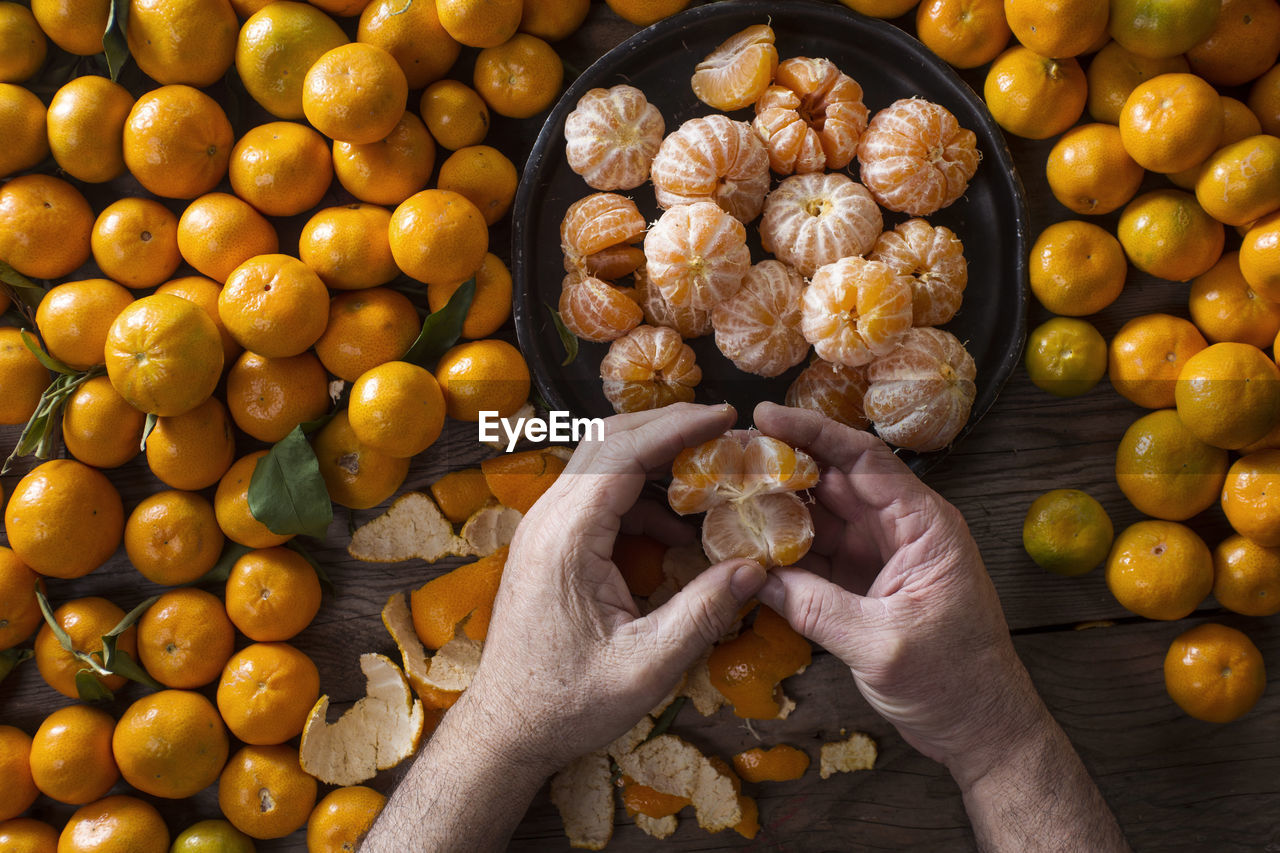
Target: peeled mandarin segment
735, 74
933, 257
921, 393
598, 222
648, 368
781, 763
916, 158
611, 137
614, 262
835, 390
812, 220
706, 475
826, 101
770, 465
697, 255
688, 321
758, 328
595, 310
713, 158
855, 310
772, 529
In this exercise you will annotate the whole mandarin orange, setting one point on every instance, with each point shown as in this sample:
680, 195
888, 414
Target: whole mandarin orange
355, 93
1246, 576
193, 450
390, 169
231, 505
115, 824
341, 820
265, 793
19, 610
438, 236
182, 41
177, 142
276, 46
71, 759
75, 319
170, 744
45, 225
272, 594
84, 620
64, 519
520, 77
282, 168
274, 305
1167, 472
266, 692
356, 475
367, 328
135, 242
1228, 394
218, 232
348, 248
185, 638
164, 355
172, 537
23, 376
99, 427
397, 408
268, 397
1214, 673
414, 37
204, 292
1159, 569
24, 118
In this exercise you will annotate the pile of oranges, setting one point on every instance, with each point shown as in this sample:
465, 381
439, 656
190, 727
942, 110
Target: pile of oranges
235, 234
1176, 172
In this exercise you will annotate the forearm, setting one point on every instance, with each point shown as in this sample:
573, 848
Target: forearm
461, 794
1039, 797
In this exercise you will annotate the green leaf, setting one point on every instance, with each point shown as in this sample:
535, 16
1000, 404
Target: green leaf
45, 358
320, 572
287, 493
567, 338
441, 329
63, 638
40, 433
10, 658
25, 292
221, 570
129, 619
114, 43
147, 427
121, 663
91, 688
667, 718
309, 427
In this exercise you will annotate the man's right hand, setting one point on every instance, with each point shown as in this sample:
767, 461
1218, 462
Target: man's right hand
895, 587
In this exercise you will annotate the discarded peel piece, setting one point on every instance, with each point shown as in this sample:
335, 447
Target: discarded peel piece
640, 799
382, 729
583, 793
489, 528
672, 765
857, 752
412, 528
466, 592
455, 663
780, 763
657, 827
517, 480
748, 670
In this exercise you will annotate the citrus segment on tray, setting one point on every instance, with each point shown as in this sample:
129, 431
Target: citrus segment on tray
736, 73
596, 223
611, 137
713, 158
916, 158
647, 368
817, 219
595, 310
811, 118
835, 390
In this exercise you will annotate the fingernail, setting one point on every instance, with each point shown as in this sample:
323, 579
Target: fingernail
747, 580
772, 592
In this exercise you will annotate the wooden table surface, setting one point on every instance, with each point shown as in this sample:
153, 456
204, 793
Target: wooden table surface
1176, 784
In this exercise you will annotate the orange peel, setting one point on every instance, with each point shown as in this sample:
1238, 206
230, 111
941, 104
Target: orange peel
857, 752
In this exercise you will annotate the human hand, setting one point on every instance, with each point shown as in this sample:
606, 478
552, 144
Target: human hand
569, 664
895, 587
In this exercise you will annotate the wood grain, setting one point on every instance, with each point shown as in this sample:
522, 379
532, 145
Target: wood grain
1176, 784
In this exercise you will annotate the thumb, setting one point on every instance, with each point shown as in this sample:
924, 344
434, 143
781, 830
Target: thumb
698, 615
822, 611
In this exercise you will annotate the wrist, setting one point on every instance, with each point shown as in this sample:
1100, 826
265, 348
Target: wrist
1014, 747
491, 731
